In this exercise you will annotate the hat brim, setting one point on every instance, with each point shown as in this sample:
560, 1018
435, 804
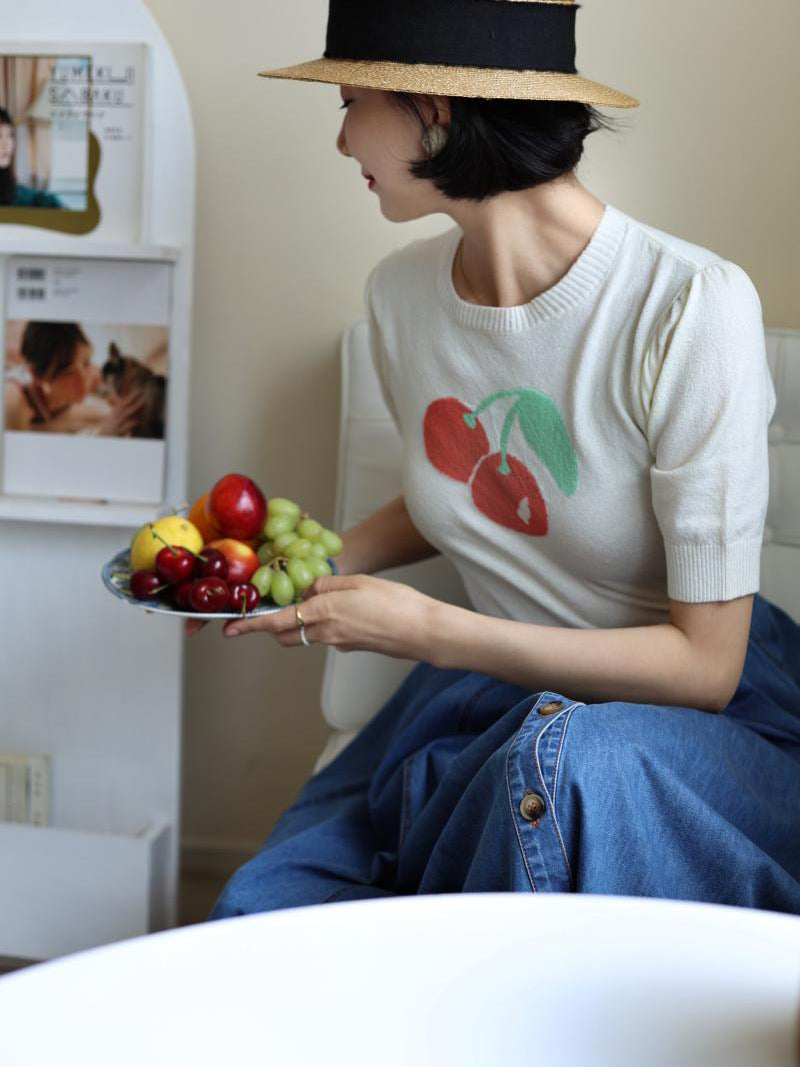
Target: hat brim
455, 81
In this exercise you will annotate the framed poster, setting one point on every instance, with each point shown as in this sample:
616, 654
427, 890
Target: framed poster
72, 137
86, 373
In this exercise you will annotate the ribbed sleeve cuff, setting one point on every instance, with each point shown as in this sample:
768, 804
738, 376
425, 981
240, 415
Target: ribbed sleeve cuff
696, 573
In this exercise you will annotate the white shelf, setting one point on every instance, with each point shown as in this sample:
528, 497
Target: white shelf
63, 891
52, 244
84, 512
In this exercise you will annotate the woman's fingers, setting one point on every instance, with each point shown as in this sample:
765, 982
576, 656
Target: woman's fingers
193, 626
284, 625
278, 622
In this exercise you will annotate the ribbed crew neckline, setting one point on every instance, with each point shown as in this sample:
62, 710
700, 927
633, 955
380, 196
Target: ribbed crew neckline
584, 275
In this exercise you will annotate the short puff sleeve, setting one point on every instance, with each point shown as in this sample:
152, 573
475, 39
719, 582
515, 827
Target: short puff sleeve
709, 397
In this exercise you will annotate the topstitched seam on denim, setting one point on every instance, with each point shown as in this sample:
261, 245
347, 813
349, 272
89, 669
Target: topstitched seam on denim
514, 822
577, 704
553, 814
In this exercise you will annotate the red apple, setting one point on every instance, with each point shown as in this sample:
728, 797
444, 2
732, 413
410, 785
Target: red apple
237, 507
242, 560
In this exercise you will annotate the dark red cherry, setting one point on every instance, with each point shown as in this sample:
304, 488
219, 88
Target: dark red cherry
211, 563
175, 564
145, 584
209, 594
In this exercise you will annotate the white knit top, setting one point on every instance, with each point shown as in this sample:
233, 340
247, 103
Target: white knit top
586, 456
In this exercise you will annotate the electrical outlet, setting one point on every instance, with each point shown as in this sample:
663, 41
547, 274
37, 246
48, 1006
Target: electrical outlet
24, 788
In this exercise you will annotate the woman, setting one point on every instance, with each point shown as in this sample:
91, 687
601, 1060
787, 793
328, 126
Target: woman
11, 192
57, 375
584, 403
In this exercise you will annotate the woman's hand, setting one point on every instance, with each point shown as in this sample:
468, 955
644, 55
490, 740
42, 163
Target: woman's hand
350, 612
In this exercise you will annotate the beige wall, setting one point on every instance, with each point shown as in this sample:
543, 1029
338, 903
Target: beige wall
287, 232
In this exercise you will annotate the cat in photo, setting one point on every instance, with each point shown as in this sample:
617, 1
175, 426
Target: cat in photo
124, 374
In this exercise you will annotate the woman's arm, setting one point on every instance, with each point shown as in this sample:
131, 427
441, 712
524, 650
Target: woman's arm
695, 660
387, 538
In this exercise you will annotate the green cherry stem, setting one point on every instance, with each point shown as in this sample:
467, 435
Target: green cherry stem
197, 555
157, 535
504, 435
490, 400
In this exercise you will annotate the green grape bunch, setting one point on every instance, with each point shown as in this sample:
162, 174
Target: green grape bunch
293, 553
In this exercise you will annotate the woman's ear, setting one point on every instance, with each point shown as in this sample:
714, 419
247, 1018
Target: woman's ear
443, 112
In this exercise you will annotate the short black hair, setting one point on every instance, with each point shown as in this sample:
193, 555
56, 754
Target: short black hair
49, 347
496, 145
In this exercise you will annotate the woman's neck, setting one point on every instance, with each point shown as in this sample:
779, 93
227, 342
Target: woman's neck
518, 245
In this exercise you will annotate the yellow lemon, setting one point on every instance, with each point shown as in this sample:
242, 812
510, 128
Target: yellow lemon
174, 529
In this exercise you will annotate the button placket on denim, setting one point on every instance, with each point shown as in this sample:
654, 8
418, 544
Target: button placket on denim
531, 771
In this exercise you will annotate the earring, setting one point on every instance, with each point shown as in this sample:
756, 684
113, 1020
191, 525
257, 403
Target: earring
434, 139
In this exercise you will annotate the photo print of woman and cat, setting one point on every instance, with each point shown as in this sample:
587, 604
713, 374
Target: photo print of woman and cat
85, 378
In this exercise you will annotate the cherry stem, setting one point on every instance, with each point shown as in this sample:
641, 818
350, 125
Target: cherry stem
495, 396
507, 424
155, 533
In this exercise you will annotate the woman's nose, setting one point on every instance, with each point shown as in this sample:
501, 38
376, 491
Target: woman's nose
341, 143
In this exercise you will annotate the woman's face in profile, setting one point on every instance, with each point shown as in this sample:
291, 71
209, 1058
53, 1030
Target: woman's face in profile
383, 139
76, 381
6, 145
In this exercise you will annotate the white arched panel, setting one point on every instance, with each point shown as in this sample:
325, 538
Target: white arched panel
86, 680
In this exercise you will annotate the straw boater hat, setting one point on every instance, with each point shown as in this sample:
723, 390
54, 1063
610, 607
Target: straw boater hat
516, 49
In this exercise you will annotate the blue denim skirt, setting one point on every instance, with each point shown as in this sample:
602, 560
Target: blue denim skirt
463, 783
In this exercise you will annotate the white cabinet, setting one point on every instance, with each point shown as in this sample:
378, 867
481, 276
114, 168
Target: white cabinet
92, 683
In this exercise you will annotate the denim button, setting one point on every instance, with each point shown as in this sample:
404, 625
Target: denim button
531, 807
551, 706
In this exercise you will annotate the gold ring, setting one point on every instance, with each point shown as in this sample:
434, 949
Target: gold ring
298, 616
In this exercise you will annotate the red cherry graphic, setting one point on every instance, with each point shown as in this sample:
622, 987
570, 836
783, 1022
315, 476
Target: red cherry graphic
511, 499
451, 444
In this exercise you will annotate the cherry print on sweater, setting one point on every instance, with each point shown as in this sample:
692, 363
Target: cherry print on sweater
502, 487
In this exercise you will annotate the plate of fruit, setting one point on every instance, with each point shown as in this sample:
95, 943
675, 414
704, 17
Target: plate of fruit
235, 553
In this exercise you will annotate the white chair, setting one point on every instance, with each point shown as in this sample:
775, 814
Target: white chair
356, 685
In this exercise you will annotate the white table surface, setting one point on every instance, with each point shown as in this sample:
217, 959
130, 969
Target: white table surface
489, 979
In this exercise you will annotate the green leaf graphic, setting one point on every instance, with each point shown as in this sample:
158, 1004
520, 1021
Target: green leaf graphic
545, 432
